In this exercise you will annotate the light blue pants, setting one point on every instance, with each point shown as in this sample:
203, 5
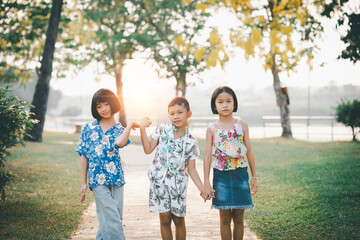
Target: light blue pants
109, 202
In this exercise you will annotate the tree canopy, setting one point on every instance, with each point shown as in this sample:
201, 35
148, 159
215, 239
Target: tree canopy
269, 29
22, 29
172, 30
348, 20
348, 113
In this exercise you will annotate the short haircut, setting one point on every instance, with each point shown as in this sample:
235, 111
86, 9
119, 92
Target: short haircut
179, 101
104, 95
220, 90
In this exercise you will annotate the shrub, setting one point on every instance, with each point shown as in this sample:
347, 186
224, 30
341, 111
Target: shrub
14, 120
348, 113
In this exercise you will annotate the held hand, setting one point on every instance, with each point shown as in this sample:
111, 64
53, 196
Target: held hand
204, 196
145, 122
134, 125
254, 186
83, 193
209, 191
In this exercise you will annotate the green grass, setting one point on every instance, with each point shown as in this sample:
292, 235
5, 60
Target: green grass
306, 190
43, 200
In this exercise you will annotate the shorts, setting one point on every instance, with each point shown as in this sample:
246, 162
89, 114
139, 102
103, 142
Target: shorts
170, 195
232, 189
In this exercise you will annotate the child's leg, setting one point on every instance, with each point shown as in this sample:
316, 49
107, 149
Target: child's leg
225, 224
165, 225
238, 218
180, 227
107, 210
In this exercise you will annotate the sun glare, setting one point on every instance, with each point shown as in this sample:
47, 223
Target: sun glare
142, 97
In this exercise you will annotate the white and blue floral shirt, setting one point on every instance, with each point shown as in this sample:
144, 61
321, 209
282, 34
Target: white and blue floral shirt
104, 162
172, 154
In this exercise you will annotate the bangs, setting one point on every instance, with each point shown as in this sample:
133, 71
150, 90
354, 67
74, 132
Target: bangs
105, 95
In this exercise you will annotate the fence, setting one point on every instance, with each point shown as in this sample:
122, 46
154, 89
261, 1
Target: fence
301, 121
314, 128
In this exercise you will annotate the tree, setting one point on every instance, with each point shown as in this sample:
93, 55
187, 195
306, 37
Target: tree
348, 18
43, 85
172, 29
111, 31
14, 120
269, 29
22, 25
348, 113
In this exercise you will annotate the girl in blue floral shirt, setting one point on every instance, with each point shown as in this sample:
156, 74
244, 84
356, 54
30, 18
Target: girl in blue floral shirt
98, 147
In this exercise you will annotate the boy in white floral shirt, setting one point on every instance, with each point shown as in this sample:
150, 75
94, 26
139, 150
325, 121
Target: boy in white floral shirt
175, 157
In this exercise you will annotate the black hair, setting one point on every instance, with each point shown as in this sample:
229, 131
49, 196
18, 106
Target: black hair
104, 95
179, 101
220, 90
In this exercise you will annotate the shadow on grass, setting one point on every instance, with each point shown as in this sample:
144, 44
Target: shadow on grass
31, 220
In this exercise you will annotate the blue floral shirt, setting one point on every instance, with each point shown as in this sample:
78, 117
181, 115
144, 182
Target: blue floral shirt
104, 163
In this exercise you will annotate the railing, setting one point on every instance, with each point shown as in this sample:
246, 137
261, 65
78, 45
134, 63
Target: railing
202, 121
319, 127
304, 121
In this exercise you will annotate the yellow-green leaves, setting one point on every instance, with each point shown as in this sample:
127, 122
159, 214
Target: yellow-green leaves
214, 38
198, 54
270, 29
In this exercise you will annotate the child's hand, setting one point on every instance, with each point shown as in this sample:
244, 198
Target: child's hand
254, 186
134, 125
209, 191
145, 122
83, 193
205, 196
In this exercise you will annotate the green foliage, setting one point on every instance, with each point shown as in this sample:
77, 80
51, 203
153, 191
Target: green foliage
172, 29
348, 18
22, 30
280, 32
14, 120
23, 26
108, 36
348, 113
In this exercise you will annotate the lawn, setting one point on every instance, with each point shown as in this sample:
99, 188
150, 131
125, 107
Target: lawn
307, 190
43, 200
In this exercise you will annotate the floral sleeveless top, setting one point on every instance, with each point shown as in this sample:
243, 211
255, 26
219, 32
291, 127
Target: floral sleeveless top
229, 150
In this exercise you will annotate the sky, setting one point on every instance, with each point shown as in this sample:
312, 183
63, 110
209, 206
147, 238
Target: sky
238, 73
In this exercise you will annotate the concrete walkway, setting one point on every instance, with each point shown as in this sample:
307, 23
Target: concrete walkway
202, 223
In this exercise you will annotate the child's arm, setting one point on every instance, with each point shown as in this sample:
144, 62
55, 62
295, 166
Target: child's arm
124, 137
84, 171
207, 163
251, 159
195, 177
148, 146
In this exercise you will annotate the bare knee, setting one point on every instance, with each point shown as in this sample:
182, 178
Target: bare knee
225, 217
178, 221
238, 216
165, 219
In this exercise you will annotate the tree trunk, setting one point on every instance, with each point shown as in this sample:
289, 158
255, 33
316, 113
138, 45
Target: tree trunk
42, 88
282, 100
119, 92
181, 85
353, 133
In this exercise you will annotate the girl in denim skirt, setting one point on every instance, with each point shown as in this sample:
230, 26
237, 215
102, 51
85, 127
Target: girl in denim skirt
228, 151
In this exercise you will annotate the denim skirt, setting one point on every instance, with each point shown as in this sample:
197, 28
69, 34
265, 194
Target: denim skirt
232, 189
